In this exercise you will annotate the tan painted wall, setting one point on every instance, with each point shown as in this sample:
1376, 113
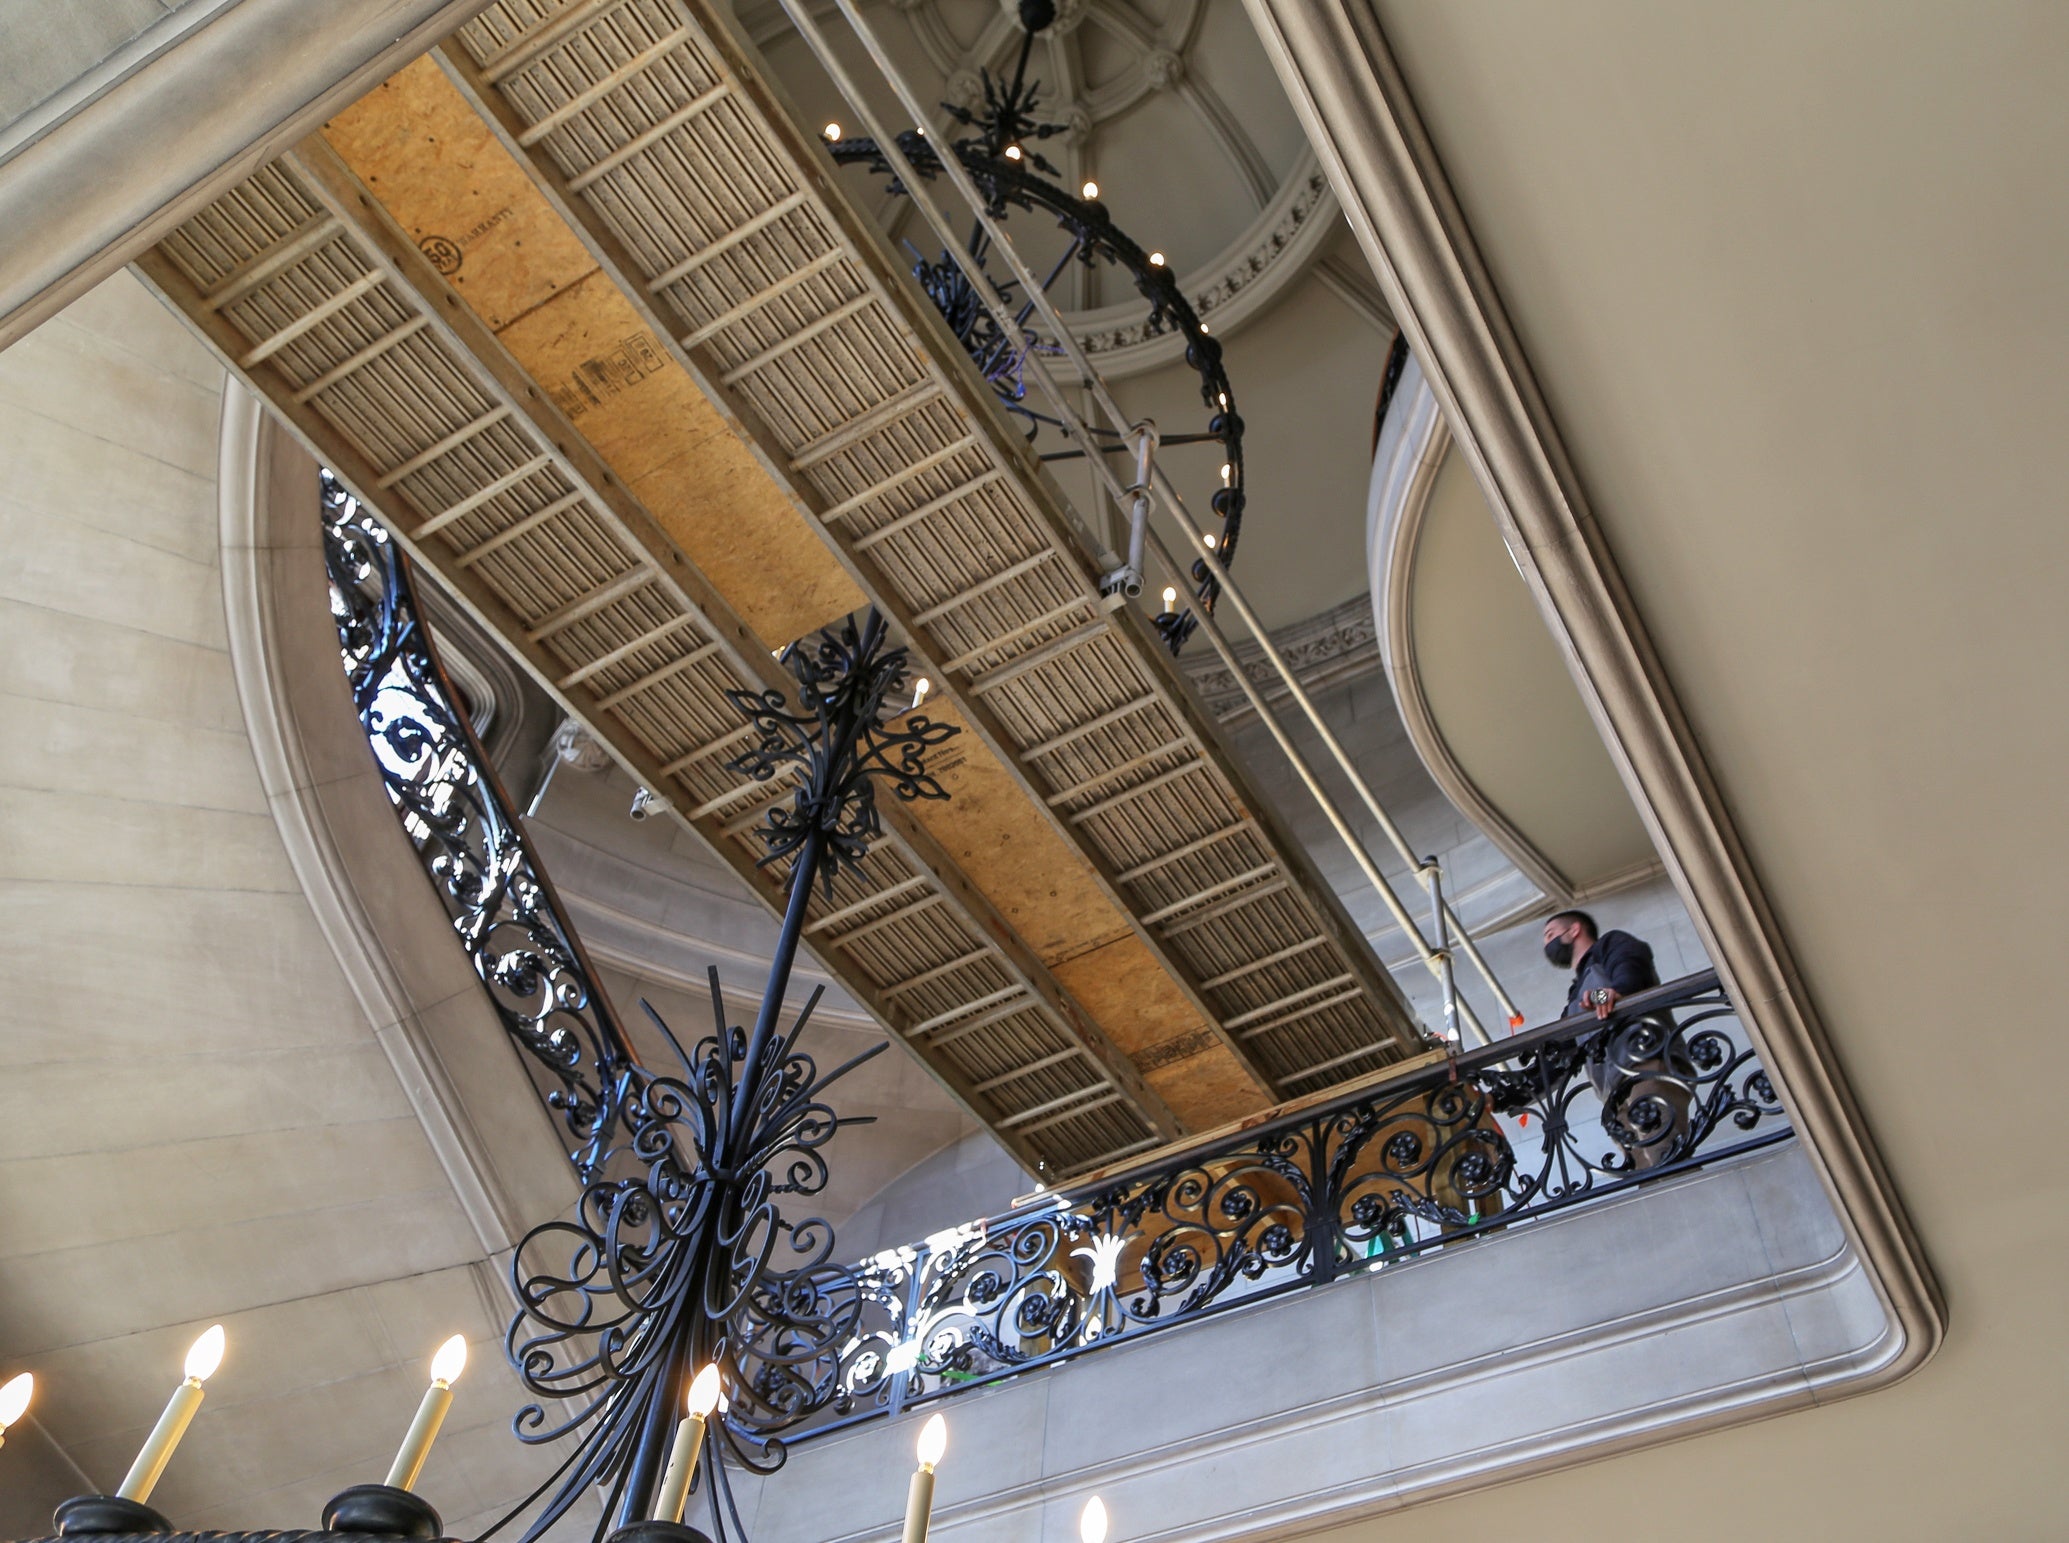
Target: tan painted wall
1791, 280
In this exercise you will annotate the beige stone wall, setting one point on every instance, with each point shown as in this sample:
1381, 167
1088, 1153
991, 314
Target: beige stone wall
199, 1121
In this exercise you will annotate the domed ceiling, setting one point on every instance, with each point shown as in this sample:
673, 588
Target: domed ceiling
1168, 106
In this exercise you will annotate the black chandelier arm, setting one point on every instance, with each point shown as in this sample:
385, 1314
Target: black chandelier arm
683, 1252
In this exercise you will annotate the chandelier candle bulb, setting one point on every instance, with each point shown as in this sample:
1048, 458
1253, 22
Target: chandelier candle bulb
203, 1357
833, 132
1092, 1521
446, 1367
689, 1442
14, 1400
919, 1500
1170, 598
1091, 190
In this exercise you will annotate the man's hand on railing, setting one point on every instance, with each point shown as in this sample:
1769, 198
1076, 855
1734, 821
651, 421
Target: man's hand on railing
1605, 999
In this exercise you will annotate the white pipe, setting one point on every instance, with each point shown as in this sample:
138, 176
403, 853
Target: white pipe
1031, 286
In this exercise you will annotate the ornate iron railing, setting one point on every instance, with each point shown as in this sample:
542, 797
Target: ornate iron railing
679, 1254
460, 820
1536, 1123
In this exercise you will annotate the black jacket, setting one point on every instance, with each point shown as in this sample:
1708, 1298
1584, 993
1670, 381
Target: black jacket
1619, 961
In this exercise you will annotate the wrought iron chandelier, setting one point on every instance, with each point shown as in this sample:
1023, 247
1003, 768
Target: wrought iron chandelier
1000, 153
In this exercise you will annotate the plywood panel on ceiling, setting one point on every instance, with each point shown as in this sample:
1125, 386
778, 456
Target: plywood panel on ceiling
445, 178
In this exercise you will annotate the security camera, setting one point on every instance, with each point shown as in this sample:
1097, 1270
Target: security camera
646, 805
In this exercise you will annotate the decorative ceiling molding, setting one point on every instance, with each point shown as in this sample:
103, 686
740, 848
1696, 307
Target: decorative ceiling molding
1330, 647
1412, 445
1356, 108
78, 199
1279, 244
1251, 272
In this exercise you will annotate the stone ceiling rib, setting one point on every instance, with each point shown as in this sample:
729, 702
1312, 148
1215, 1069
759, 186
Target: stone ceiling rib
440, 417
845, 384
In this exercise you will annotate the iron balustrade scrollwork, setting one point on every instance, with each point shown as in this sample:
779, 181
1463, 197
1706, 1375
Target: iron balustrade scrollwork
462, 825
1531, 1125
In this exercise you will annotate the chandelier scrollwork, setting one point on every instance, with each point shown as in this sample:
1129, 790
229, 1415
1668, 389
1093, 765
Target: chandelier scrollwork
681, 1253
839, 742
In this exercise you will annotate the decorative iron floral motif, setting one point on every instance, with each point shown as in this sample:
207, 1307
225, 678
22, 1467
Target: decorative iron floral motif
838, 739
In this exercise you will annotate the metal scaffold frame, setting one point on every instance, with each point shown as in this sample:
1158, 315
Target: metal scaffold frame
1436, 956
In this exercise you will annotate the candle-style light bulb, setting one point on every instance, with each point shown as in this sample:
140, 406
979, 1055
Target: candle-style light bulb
1170, 598
1012, 152
1156, 259
14, 1400
933, 1442
919, 1500
1092, 1521
446, 1367
689, 1443
833, 132
206, 1354
703, 1397
1213, 541
919, 692
203, 1357
1091, 190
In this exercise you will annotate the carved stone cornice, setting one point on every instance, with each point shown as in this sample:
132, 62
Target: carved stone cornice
1253, 270
1335, 645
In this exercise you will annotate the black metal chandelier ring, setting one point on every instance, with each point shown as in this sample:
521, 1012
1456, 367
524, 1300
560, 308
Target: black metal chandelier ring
1001, 160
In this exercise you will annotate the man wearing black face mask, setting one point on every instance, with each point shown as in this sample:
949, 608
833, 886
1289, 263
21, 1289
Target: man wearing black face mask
1641, 1070
1607, 966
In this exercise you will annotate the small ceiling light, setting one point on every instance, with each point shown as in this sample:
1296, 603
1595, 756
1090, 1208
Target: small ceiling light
1091, 190
1156, 259
1170, 598
833, 131
1012, 152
